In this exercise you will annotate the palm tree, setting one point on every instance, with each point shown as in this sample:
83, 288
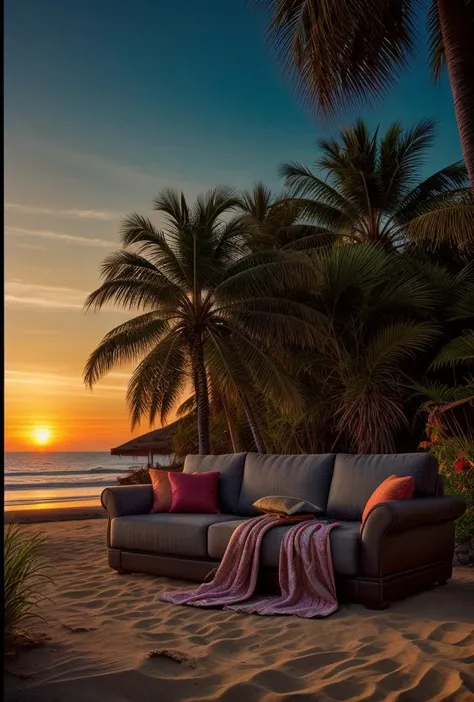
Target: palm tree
273, 223
343, 51
369, 189
210, 315
379, 313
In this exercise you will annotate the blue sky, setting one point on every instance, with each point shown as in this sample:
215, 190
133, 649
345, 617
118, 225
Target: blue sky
107, 101
184, 92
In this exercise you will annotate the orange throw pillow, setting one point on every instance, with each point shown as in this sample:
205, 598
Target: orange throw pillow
160, 483
392, 488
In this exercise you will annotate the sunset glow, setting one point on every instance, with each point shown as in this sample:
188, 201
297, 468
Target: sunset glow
41, 435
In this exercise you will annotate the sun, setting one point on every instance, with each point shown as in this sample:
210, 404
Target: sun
41, 435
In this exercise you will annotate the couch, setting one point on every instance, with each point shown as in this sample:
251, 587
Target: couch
403, 548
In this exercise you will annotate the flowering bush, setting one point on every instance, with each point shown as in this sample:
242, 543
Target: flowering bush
455, 455
141, 476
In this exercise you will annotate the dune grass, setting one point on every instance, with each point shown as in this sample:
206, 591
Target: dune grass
24, 577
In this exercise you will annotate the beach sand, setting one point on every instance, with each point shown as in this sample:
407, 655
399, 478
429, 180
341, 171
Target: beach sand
102, 626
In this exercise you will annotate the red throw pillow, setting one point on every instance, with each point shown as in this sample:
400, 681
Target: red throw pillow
161, 490
392, 488
194, 493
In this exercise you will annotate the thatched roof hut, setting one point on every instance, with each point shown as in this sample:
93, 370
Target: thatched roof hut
155, 443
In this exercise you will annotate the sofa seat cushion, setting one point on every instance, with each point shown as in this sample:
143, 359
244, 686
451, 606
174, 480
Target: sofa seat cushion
307, 477
174, 534
344, 540
356, 477
231, 469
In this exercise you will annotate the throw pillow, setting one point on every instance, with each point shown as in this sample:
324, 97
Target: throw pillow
287, 506
392, 488
195, 493
161, 490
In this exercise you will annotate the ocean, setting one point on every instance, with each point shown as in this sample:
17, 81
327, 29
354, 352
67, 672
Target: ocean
38, 477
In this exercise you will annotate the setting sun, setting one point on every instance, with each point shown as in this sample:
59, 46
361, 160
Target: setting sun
41, 435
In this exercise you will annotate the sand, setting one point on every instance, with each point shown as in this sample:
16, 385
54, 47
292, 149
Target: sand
102, 627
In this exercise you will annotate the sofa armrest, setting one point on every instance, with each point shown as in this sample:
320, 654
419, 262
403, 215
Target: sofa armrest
407, 534
399, 515
123, 500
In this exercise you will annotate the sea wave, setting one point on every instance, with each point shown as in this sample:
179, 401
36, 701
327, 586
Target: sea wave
52, 500
55, 486
65, 473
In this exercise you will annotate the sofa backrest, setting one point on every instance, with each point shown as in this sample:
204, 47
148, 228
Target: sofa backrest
305, 476
231, 469
355, 477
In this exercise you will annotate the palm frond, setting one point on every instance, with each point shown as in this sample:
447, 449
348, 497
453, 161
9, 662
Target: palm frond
445, 218
126, 343
158, 380
458, 351
139, 231
187, 407
281, 321
134, 294
396, 343
257, 202
303, 183
443, 182
435, 42
333, 53
401, 156
174, 206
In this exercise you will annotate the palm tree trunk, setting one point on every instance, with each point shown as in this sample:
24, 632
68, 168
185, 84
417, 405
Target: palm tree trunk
202, 395
230, 425
458, 38
252, 422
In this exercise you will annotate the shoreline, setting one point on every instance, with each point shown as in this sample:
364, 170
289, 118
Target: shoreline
53, 512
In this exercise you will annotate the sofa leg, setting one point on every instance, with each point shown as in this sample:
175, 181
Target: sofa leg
443, 582
120, 571
378, 604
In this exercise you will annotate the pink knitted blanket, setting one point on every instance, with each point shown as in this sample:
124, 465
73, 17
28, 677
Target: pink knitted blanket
305, 572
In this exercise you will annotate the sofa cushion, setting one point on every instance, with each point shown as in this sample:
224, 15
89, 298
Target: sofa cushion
160, 483
286, 506
356, 477
175, 534
392, 488
195, 493
231, 469
344, 540
305, 476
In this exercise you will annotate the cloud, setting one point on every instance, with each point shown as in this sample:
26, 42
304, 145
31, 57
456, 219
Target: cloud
75, 213
32, 247
48, 297
45, 296
59, 236
142, 182
55, 380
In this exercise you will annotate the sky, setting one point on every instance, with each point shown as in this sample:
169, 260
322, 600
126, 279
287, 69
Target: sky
107, 102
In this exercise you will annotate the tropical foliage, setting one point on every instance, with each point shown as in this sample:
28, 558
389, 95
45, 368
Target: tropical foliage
369, 189
452, 443
275, 329
274, 222
450, 407
24, 575
211, 312
340, 52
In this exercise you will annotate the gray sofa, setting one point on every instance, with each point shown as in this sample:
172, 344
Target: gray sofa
404, 547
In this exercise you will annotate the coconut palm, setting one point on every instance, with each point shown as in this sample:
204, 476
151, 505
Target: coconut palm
369, 189
340, 52
273, 223
209, 313
379, 314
